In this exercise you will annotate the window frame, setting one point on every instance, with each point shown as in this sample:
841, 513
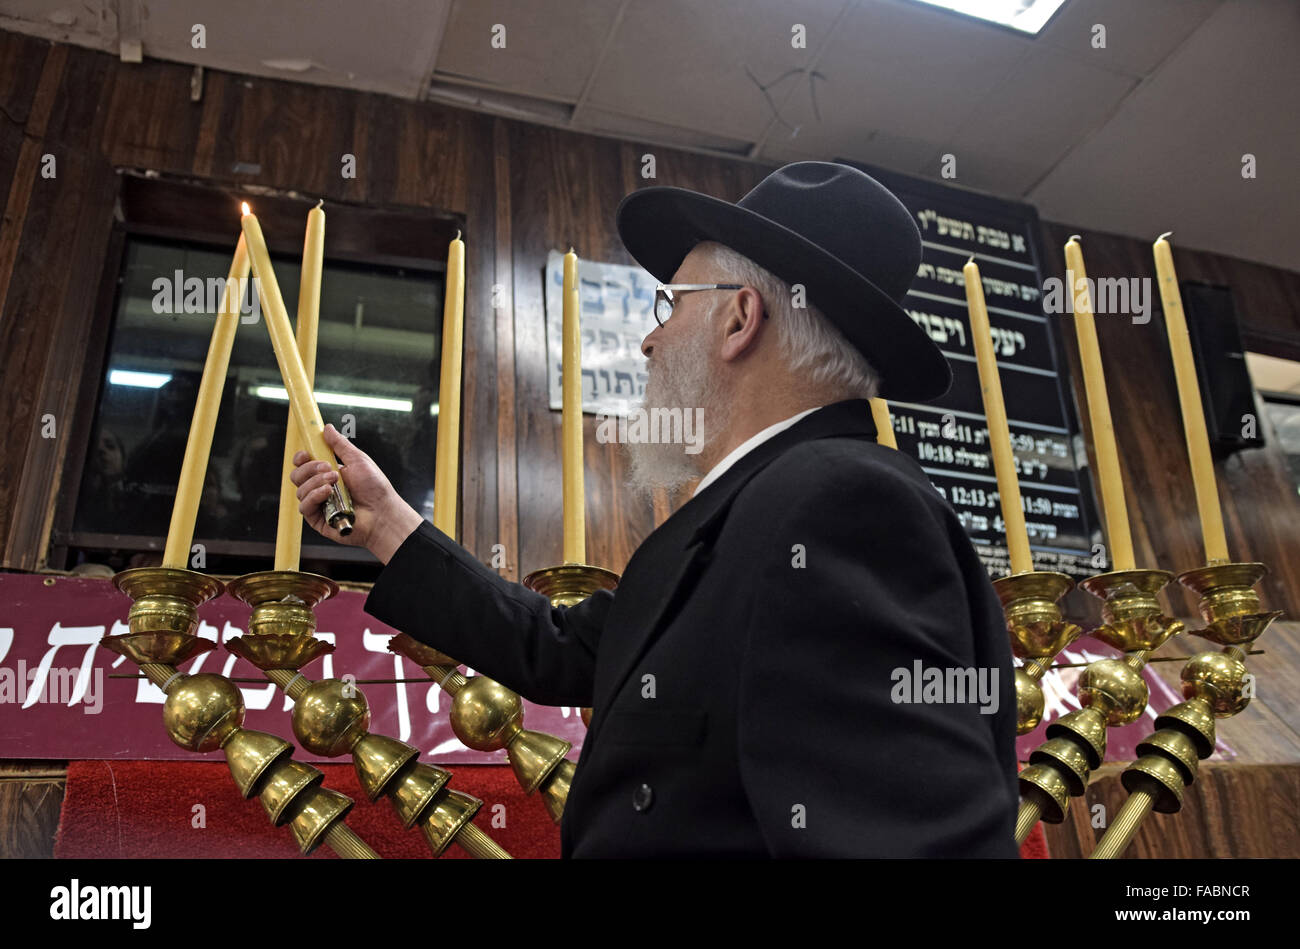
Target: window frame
187, 211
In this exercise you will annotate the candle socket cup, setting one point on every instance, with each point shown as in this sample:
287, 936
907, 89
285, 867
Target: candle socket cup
338, 509
1132, 617
283, 619
164, 615
1111, 691
569, 584
1038, 630
1228, 604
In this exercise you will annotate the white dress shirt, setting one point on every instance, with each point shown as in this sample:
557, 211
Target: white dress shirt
747, 446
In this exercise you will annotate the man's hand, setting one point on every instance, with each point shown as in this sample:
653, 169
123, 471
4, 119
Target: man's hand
383, 519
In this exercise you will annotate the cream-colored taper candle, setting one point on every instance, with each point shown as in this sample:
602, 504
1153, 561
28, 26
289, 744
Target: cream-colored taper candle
1189, 397
575, 522
194, 467
288, 535
446, 468
1109, 479
884, 424
995, 411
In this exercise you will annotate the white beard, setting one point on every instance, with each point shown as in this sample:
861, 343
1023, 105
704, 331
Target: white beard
681, 380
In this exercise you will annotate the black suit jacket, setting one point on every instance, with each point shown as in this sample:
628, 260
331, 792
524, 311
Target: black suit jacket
743, 673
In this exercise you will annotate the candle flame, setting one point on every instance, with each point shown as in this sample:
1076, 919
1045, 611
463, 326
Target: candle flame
246, 209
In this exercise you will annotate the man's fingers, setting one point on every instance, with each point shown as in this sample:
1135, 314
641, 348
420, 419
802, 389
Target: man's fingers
311, 502
305, 470
316, 483
348, 453
300, 457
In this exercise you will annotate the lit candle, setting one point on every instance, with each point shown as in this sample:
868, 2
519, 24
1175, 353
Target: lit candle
194, 467
884, 424
575, 527
1189, 397
446, 468
288, 535
1109, 479
292, 371
1004, 462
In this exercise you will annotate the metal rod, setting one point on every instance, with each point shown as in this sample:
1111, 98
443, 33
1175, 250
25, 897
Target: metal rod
343, 841
1129, 819
479, 845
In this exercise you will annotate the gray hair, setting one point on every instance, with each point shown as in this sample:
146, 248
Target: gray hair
815, 347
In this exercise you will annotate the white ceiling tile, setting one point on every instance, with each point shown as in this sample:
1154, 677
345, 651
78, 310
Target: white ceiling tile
1138, 33
683, 63
324, 42
1024, 126
550, 45
1171, 159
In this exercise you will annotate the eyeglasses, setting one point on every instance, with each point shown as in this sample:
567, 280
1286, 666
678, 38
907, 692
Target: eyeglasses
666, 299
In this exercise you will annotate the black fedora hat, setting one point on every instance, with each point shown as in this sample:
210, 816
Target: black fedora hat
832, 228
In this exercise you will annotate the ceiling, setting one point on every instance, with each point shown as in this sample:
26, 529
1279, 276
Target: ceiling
1142, 136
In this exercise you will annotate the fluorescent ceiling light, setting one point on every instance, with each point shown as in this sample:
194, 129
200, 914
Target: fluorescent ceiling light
338, 398
141, 380
1028, 16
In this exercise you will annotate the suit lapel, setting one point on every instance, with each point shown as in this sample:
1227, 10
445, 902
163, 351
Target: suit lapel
666, 567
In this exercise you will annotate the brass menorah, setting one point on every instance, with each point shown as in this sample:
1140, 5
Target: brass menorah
1112, 692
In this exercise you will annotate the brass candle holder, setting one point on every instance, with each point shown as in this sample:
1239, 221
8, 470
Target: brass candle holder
486, 716
1111, 691
332, 717
1031, 604
205, 712
568, 584
1214, 685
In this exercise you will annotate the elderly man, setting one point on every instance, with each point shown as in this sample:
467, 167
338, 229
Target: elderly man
756, 676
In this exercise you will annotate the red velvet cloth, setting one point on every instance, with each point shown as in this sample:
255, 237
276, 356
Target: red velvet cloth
149, 809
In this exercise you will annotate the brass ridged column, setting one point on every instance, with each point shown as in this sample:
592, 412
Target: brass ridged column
1111, 691
1214, 685
486, 716
332, 718
205, 712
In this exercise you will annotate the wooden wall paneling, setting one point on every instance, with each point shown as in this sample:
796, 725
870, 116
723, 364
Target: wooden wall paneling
553, 192
538, 180
31, 797
504, 318
31, 115
162, 137
63, 309
459, 173
437, 160
20, 71
1231, 811
79, 449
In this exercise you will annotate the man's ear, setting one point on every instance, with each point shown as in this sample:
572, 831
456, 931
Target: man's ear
743, 319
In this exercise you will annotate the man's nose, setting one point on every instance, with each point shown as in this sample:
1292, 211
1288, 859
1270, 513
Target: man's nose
646, 346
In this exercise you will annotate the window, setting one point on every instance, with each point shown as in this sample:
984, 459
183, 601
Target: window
377, 370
